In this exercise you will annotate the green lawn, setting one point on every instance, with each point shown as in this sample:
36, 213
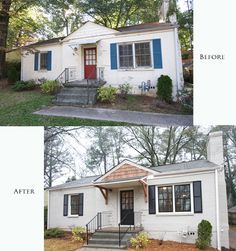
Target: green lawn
16, 109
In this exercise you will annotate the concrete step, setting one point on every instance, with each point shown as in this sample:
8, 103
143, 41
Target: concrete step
108, 241
78, 90
76, 95
110, 234
101, 246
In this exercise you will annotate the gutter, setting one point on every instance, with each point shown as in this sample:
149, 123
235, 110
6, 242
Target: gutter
177, 59
48, 218
217, 210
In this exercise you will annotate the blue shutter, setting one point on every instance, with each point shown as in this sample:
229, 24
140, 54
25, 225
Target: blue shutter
157, 55
36, 61
197, 196
152, 199
49, 61
113, 55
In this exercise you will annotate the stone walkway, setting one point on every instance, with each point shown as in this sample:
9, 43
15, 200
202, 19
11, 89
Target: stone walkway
96, 249
132, 117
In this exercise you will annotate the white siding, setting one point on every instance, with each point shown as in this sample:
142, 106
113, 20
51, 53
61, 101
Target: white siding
27, 64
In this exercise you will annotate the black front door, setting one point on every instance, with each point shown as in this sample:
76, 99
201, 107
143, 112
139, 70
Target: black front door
127, 207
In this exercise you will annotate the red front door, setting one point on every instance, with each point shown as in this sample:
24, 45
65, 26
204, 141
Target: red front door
90, 62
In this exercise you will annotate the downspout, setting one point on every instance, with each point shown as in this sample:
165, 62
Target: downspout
177, 58
217, 210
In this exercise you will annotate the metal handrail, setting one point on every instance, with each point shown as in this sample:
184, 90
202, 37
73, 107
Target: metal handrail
93, 225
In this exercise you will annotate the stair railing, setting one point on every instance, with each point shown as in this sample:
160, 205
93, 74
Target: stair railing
68, 74
137, 223
99, 221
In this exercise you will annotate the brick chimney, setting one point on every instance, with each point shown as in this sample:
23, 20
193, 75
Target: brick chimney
215, 151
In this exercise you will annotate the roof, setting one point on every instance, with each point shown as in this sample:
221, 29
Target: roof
147, 26
126, 29
185, 166
92, 180
232, 209
44, 42
77, 183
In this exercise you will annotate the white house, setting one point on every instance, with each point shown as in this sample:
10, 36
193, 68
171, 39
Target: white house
135, 54
167, 201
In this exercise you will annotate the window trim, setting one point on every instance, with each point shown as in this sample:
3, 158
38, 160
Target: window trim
69, 206
39, 60
173, 198
134, 55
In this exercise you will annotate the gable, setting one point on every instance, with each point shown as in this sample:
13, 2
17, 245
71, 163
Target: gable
90, 29
126, 171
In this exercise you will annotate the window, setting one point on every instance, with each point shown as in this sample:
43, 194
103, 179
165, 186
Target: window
165, 199
142, 54
126, 55
74, 204
182, 198
43, 60
175, 198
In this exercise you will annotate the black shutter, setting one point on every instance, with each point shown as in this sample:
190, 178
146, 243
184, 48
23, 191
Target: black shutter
81, 204
197, 196
152, 199
65, 207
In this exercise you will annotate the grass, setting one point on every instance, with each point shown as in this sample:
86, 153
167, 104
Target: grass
16, 109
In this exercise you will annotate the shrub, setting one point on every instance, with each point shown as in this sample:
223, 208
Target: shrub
185, 97
12, 75
50, 87
23, 86
78, 233
124, 89
164, 88
140, 241
53, 233
107, 94
204, 234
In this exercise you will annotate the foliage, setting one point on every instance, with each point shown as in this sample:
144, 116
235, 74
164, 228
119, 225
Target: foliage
140, 241
164, 88
45, 217
204, 234
185, 97
107, 93
23, 86
13, 73
53, 233
78, 233
50, 87
124, 89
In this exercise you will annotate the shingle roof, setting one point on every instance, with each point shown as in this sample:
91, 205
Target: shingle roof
77, 183
43, 42
147, 26
185, 166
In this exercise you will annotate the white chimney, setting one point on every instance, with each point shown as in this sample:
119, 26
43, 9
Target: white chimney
215, 151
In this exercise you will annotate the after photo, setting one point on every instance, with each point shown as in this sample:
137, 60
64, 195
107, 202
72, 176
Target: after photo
145, 188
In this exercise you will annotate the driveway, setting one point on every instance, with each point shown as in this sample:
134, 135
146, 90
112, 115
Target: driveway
131, 117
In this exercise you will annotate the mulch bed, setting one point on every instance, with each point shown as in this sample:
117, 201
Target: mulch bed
170, 246
143, 103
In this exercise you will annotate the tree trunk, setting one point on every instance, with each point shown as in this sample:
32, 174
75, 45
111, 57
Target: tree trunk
4, 21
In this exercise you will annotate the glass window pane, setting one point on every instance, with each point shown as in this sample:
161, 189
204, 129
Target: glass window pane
142, 54
165, 199
126, 56
74, 204
182, 198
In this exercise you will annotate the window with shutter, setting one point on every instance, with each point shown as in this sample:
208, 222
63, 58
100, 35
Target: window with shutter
152, 199
197, 196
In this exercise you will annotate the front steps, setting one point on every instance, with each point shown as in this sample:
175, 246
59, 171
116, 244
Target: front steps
78, 93
110, 239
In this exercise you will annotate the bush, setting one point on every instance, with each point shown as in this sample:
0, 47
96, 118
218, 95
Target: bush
23, 86
164, 88
124, 89
107, 94
204, 234
54, 233
12, 75
185, 97
140, 241
78, 233
50, 87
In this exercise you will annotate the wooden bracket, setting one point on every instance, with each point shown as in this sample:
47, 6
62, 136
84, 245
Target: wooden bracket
144, 185
104, 192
